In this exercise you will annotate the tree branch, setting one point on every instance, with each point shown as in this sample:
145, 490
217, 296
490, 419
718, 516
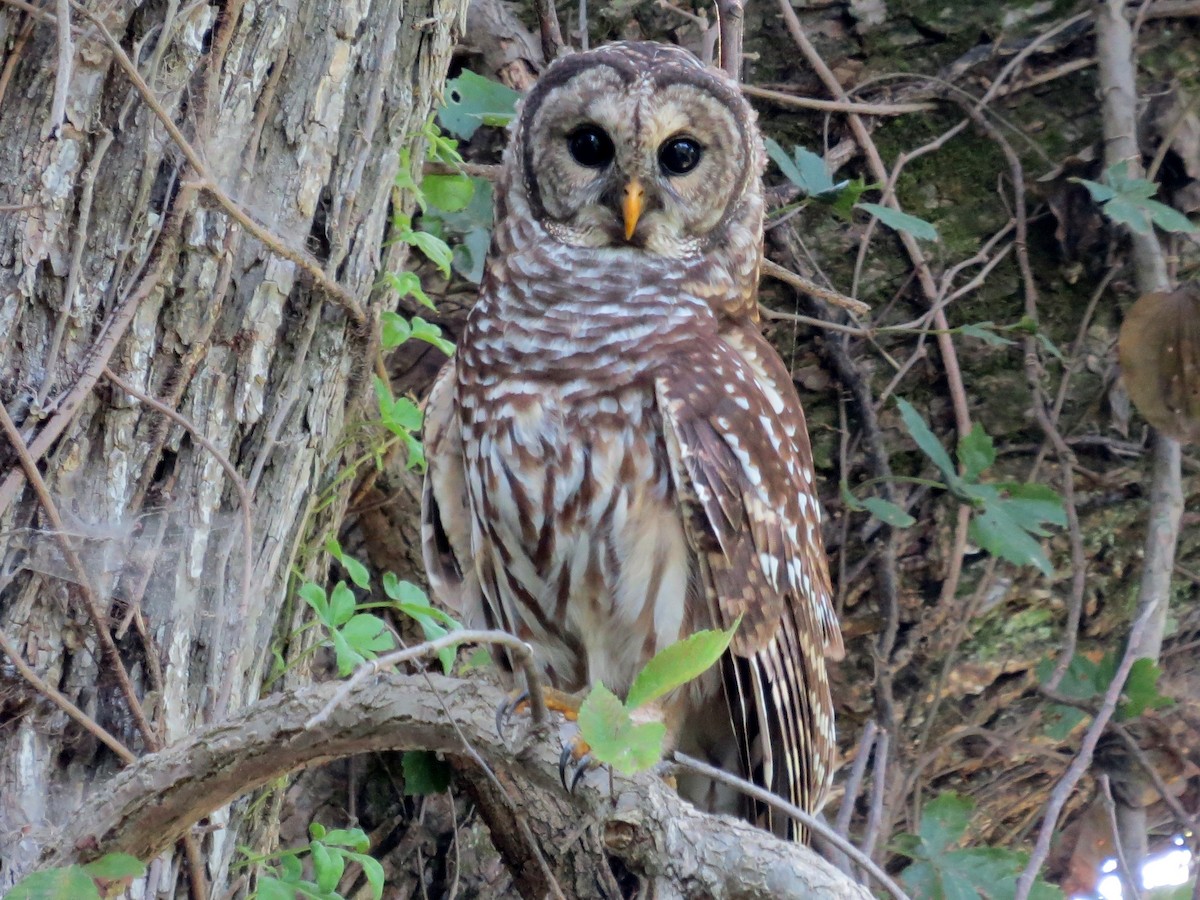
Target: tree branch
643, 822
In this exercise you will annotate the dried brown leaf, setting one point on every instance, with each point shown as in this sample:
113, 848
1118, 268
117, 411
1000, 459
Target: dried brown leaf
1159, 350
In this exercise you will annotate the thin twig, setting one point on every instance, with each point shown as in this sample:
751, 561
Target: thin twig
60, 700
800, 283
62, 75
521, 651
1083, 759
731, 22
91, 602
808, 821
1186, 819
551, 34
854, 780
1128, 881
1116, 54
838, 106
878, 794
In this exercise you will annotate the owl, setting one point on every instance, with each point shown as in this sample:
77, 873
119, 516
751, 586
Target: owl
617, 458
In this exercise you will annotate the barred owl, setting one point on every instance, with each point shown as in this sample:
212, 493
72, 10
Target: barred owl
617, 457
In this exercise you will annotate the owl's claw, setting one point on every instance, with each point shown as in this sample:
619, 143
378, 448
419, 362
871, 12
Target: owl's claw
507, 708
575, 754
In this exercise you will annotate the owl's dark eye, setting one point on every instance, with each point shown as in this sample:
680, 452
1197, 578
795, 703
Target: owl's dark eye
590, 146
680, 155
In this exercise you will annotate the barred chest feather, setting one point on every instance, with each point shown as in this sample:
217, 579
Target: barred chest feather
577, 535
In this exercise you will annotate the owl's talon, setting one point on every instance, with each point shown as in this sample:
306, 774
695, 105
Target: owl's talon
582, 766
577, 754
507, 708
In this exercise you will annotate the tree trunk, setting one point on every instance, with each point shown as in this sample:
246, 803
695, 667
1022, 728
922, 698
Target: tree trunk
224, 264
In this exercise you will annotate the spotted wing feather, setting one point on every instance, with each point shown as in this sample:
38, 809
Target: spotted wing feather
752, 521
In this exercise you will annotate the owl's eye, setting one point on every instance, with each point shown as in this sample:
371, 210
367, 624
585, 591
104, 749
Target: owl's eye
679, 156
590, 146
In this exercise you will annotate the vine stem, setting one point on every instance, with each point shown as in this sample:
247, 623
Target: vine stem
522, 654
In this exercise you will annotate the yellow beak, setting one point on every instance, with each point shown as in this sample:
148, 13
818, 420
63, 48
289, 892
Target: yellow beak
635, 196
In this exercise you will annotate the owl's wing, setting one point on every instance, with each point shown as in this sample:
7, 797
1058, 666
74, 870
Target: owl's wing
751, 516
445, 515
775, 381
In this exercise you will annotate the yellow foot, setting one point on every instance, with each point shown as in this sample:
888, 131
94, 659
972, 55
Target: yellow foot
518, 702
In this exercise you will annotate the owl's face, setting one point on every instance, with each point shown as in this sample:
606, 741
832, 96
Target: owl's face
636, 145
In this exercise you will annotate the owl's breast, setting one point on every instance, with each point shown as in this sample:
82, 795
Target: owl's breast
579, 539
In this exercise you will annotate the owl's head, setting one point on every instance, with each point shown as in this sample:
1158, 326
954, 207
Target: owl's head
636, 145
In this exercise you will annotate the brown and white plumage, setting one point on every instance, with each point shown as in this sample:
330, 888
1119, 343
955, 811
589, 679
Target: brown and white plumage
617, 458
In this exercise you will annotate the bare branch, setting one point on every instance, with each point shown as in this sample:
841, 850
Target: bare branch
644, 823
844, 106
800, 283
815, 825
731, 22
552, 39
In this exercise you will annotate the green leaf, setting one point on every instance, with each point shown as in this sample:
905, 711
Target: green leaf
413, 602
944, 820
399, 415
424, 773
431, 334
348, 659
995, 530
290, 867
849, 499
1167, 218
614, 738
406, 284
328, 866
1078, 682
374, 872
804, 169
449, 192
357, 571
983, 331
847, 197
976, 452
66, 883
341, 604
901, 221
1126, 201
927, 440
479, 658
403, 591
355, 838
678, 664
1101, 193
314, 596
472, 100
435, 249
1032, 504
972, 873
1141, 690
888, 512
368, 634
472, 226
115, 866
270, 888
396, 329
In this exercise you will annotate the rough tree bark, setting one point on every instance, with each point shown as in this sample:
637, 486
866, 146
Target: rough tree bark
213, 236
